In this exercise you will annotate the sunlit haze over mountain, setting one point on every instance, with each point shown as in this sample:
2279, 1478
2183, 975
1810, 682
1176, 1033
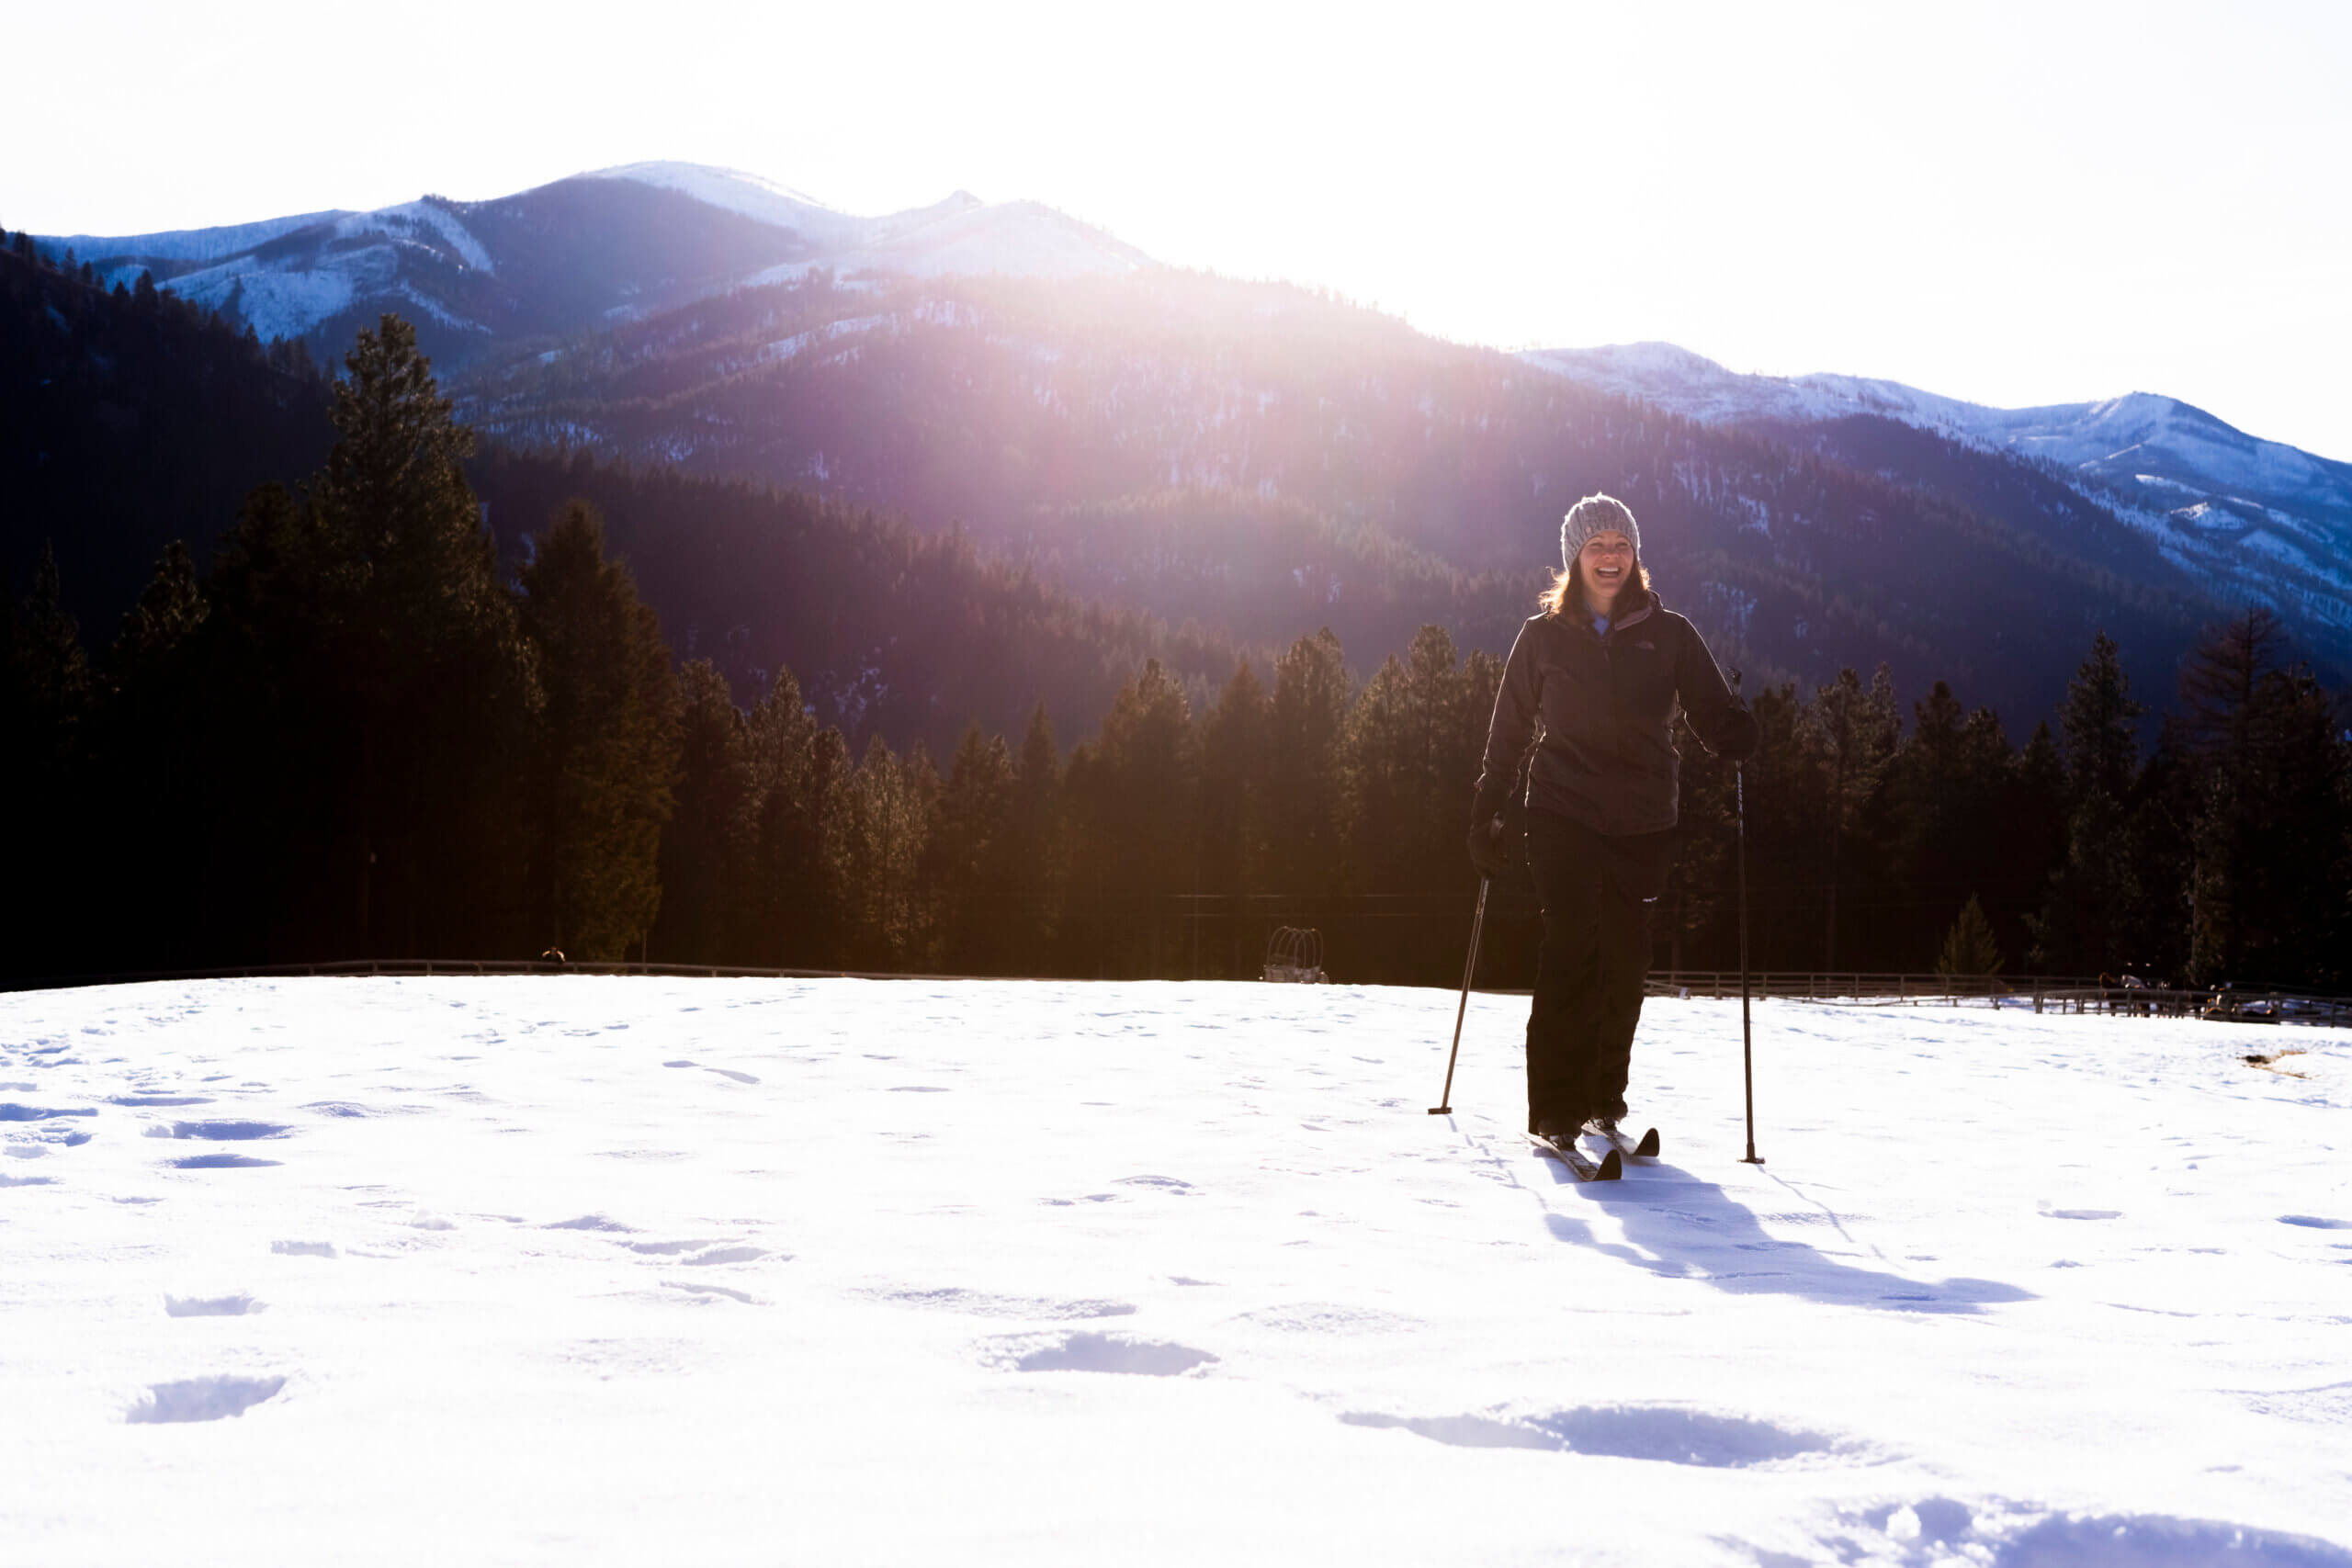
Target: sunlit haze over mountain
2001, 203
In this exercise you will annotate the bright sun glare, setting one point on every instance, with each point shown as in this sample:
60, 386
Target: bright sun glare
2010, 203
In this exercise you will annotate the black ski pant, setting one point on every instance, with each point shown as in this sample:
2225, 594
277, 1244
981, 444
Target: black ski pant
1596, 892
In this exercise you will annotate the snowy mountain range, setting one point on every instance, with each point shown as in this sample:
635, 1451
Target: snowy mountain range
611, 245
1177, 443
2269, 518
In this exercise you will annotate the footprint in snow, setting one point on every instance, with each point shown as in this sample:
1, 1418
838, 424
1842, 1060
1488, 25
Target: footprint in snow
705, 1252
728, 1255
2313, 1222
304, 1248
588, 1222
203, 1399
744, 1296
2142, 1541
220, 1132
722, 1072
1086, 1352
238, 1305
1663, 1433
221, 1162
666, 1248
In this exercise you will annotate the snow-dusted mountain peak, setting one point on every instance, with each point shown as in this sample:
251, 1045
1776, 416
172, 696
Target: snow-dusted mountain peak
2271, 521
754, 196
710, 182
577, 254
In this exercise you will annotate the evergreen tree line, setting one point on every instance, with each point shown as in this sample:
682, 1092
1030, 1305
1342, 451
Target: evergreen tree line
357, 735
2224, 853
128, 412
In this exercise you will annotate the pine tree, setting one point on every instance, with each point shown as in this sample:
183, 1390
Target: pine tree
792, 776
1032, 861
427, 648
2102, 747
168, 612
369, 651
703, 849
1951, 788
51, 673
607, 761
1234, 775
1309, 719
966, 856
1859, 732
2269, 829
1138, 816
2220, 683
1969, 949
1409, 763
45, 707
2080, 928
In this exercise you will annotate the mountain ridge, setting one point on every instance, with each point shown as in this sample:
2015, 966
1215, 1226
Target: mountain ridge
641, 237
2262, 517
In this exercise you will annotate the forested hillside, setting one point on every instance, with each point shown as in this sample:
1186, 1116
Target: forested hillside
132, 419
425, 700
1173, 400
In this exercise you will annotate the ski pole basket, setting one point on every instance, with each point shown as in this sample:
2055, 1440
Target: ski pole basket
1294, 956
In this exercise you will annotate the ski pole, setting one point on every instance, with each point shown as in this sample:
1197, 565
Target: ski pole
1445, 1106
1747, 1038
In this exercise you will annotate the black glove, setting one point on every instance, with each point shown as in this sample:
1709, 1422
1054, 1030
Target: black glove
1741, 736
1490, 848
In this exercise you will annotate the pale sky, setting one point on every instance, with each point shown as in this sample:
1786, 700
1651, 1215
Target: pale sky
2010, 203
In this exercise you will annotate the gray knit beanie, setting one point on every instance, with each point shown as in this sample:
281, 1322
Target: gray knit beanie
1596, 514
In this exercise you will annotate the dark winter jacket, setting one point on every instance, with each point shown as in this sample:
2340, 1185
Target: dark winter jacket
1601, 711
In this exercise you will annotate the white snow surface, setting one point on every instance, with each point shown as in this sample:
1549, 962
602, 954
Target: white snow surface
573, 1270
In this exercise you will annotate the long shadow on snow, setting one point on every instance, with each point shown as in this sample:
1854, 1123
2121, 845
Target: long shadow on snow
1682, 1228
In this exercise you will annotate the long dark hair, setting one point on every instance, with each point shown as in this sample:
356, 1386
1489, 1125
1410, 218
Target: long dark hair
1567, 587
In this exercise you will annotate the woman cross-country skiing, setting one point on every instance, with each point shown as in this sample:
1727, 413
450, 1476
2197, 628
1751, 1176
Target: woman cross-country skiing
1593, 683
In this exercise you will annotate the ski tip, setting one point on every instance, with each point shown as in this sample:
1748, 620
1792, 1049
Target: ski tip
1613, 1169
1648, 1149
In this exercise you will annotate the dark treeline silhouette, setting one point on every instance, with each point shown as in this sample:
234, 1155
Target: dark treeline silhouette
887, 629
357, 733
129, 414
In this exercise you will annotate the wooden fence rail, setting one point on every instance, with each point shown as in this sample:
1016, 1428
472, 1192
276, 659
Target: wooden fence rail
2074, 994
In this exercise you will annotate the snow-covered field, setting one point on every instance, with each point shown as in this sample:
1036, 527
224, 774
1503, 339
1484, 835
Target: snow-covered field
573, 1270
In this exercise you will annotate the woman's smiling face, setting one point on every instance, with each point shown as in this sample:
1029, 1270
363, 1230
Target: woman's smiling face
1606, 564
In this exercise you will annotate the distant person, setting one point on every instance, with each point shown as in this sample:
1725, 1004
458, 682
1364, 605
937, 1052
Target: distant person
1592, 684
